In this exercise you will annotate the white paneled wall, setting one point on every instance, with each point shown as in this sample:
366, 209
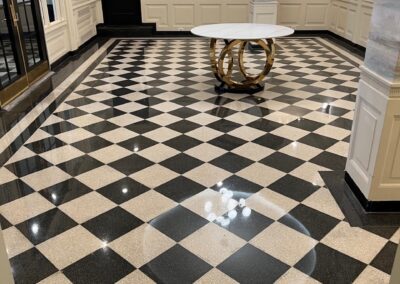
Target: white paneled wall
304, 14
347, 18
182, 15
75, 24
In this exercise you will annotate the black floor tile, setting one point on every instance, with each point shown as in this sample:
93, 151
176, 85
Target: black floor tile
102, 266
330, 266
28, 166
246, 226
240, 187
293, 187
101, 127
142, 127
108, 113
231, 162
46, 225
178, 223
272, 141
4, 223
251, 265
60, 127
31, 267
92, 144
80, 165
176, 265
306, 124
227, 142
264, 125
45, 145
182, 143
330, 161
385, 258
137, 143
131, 164
184, 126
65, 191
318, 141
181, 163
180, 188
295, 110
282, 162
342, 123
310, 222
123, 190
112, 224
13, 190
224, 125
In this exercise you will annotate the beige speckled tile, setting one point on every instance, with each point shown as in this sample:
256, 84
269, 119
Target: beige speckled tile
87, 206
15, 241
271, 203
205, 152
136, 277
322, 200
158, 153
207, 175
295, 276
154, 176
70, 246
371, 275
253, 151
261, 174
283, 243
74, 135
61, 154
6, 176
301, 151
142, 245
209, 204
149, 205
118, 135
25, 208
354, 241
215, 276
246, 133
220, 243
45, 178
56, 278
110, 154
100, 177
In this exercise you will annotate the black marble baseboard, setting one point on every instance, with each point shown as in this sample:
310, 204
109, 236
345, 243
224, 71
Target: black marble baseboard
353, 208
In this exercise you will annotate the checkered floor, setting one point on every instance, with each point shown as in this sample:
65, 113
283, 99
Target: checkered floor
144, 175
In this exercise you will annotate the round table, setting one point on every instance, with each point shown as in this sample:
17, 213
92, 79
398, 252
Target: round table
240, 35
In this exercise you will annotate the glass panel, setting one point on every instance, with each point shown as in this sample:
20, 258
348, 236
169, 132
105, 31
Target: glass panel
8, 66
29, 31
51, 7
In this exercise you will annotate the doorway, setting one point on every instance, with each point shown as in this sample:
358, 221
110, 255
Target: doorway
122, 12
23, 57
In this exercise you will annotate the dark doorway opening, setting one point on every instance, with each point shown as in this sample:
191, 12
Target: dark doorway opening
122, 12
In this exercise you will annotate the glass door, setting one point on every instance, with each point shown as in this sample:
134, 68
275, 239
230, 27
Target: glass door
23, 57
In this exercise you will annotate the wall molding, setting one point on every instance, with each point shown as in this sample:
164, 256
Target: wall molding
348, 19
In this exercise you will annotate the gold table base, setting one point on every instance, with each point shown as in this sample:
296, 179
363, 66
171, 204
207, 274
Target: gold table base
250, 83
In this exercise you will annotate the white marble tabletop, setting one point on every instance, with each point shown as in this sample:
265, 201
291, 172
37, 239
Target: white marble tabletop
242, 31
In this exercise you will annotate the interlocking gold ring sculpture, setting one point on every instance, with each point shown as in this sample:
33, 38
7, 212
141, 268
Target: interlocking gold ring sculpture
249, 82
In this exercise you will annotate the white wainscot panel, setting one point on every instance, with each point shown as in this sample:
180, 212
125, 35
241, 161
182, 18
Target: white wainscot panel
57, 41
183, 15
289, 14
236, 13
157, 13
316, 15
209, 14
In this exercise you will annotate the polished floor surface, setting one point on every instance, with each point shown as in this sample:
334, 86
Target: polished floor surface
145, 175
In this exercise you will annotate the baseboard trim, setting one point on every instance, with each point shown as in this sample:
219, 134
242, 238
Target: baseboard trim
371, 206
63, 59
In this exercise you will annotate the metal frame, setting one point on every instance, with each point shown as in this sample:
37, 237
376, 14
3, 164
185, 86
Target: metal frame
250, 83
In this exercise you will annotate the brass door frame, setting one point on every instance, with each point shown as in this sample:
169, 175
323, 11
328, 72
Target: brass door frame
29, 75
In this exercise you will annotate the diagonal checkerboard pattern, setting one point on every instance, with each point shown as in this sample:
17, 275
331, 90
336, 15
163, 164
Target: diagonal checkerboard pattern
144, 175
